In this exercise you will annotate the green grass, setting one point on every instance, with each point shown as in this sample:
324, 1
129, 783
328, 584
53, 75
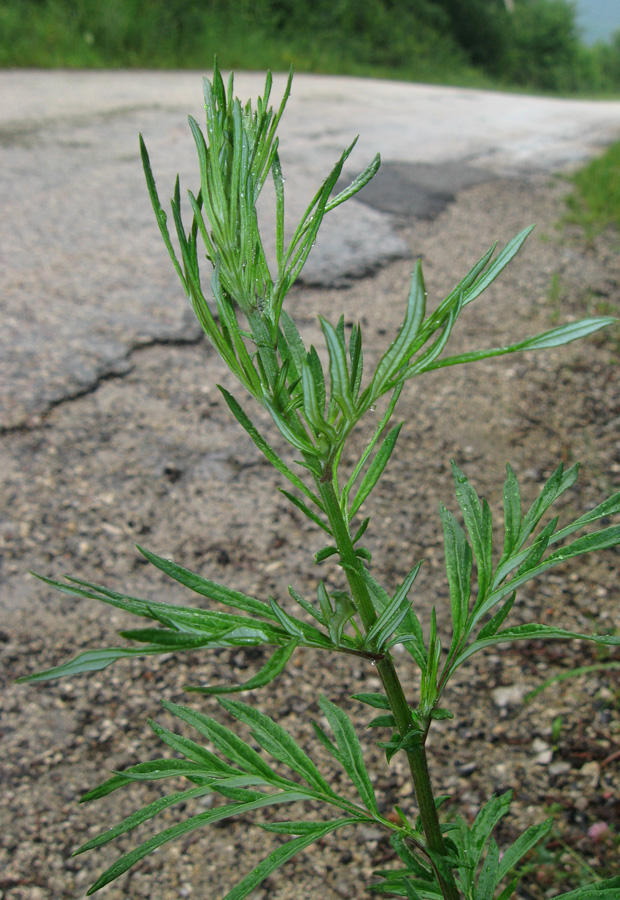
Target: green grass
396, 39
176, 35
595, 201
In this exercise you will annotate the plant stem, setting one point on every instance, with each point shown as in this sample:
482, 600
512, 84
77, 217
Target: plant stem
416, 754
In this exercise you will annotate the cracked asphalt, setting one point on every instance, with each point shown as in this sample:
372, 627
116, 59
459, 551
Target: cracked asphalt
85, 277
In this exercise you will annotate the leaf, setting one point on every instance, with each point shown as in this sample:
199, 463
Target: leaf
527, 633
306, 510
509, 890
143, 815
210, 763
504, 258
282, 855
371, 444
160, 215
604, 890
486, 820
314, 410
274, 666
512, 512
402, 348
207, 588
265, 448
571, 673
554, 338
477, 518
378, 701
357, 359
278, 743
513, 854
598, 540
494, 624
338, 371
608, 507
375, 470
213, 815
488, 879
458, 566
90, 661
357, 184
350, 749
553, 488
226, 741
388, 620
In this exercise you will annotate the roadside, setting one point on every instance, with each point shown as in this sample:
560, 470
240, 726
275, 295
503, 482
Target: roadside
153, 457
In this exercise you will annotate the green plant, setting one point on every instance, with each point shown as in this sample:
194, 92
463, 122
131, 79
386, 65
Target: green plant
595, 202
316, 411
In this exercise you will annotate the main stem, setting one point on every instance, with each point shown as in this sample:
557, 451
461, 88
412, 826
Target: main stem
416, 754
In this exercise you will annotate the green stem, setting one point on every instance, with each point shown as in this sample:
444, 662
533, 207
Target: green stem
416, 754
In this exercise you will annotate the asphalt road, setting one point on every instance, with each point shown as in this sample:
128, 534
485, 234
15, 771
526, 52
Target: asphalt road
85, 276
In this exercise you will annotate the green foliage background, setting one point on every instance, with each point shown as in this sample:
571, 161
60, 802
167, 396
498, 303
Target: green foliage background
477, 42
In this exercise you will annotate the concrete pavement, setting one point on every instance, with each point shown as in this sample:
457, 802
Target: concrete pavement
85, 276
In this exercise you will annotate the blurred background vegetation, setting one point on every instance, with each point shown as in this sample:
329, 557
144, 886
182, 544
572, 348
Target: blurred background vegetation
524, 44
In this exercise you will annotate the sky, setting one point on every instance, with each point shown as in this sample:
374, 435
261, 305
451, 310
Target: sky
598, 19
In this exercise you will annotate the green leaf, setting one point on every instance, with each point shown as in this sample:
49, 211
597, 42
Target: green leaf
570, 673
306, 510
390, 617
160, 215
210, 763
274, 666
386, 721
357, 184
477, 518
554, 338
609, 507
598, 540
338, 371
350, 752
509, 890
357, 359
213, 815
90, 661
486, 820
527, 633
309, 607
283, 854
401, 350
265, 448
226, 741
505, 257
143, 815
488, 879
278, 743
513, 854
554, 487
604, 890
494, 624
375, 469
378, 701
371, 444
512, 512
314, 409
207, 588
458, 566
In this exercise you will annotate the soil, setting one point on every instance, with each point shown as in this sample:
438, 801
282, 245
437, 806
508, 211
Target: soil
152, 456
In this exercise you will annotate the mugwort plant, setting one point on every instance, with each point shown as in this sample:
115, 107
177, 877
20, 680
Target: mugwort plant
316, 409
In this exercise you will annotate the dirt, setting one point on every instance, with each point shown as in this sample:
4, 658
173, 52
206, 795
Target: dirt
152, 456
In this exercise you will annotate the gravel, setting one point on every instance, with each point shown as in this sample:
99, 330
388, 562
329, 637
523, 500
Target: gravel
151, 456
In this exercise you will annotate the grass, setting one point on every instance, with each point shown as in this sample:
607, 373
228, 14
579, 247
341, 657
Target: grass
595, 201
376, 39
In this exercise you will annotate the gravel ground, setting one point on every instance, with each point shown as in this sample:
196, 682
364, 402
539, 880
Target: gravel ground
151, 455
